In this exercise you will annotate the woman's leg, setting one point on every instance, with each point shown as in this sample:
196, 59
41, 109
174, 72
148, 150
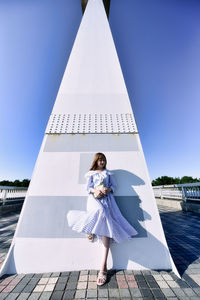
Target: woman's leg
106, 246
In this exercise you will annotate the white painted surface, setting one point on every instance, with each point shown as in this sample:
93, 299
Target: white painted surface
92, 83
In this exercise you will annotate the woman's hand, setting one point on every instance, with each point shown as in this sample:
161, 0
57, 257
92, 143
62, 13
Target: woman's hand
98, 194
106, 190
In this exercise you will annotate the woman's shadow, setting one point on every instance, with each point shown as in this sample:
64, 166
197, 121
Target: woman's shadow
130, 205
128, 200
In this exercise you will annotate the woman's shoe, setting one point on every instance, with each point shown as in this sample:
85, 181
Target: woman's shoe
103, 276
90, 237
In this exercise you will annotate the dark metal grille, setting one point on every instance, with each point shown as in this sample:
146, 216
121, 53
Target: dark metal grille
105, 2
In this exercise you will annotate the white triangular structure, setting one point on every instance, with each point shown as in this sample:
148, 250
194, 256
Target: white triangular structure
92, 113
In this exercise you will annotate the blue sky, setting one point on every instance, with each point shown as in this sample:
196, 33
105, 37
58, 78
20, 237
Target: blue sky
158, 44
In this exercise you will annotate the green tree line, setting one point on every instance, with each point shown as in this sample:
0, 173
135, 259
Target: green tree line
18, 183
164, 180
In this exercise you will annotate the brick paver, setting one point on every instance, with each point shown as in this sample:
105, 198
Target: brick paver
184, 245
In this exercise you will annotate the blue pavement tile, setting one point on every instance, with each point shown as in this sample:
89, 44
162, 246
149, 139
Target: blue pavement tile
19, 288
178, 292
38, 275
34, 281
45, 295
71, 285
46, 275
197, 291
139, 277
168, 292
57, 295
69, 295
80, 294
189, 280
157, 293
182, 283
152, 284
55, 274
113, 293
65, 274
189, 292
29, 288
91, 293
142, 284
146, 293
124, 293
149, 277
103, 293
3, 296
75, 273
63, 279
23, 296
60, 286
73, 276
12, 296
34, 296
135, 292
30, 275
72, 279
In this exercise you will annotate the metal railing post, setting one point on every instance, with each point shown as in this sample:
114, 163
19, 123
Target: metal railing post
184, 193
4, 196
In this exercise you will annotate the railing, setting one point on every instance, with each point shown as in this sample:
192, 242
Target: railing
186, 192
12, 194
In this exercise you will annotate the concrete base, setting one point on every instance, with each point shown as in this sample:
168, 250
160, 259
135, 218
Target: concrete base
180, 205
170, 203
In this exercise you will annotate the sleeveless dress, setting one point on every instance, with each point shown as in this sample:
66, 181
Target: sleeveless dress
103, 217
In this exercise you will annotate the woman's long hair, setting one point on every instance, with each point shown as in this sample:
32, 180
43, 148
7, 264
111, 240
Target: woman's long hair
98, 156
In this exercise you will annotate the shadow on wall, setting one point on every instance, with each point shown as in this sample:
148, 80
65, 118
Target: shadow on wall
129, 201
131, 208
125, 181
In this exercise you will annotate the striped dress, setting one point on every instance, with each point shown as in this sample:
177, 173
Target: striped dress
103, 217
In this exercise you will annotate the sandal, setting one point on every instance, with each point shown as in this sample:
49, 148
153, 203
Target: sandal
90, 237
102, 275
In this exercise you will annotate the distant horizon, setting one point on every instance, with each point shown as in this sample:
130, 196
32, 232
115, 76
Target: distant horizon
158, 44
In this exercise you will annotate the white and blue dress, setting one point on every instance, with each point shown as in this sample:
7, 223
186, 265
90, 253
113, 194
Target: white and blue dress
103, 217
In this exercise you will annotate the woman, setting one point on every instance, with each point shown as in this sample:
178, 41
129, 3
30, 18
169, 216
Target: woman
103, 217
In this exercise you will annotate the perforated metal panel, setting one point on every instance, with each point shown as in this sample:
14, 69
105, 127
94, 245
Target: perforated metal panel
91, 123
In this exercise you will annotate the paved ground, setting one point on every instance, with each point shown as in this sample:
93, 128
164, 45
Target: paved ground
182, 230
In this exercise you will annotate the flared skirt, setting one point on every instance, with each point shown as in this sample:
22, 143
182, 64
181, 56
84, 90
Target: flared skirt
102, 218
